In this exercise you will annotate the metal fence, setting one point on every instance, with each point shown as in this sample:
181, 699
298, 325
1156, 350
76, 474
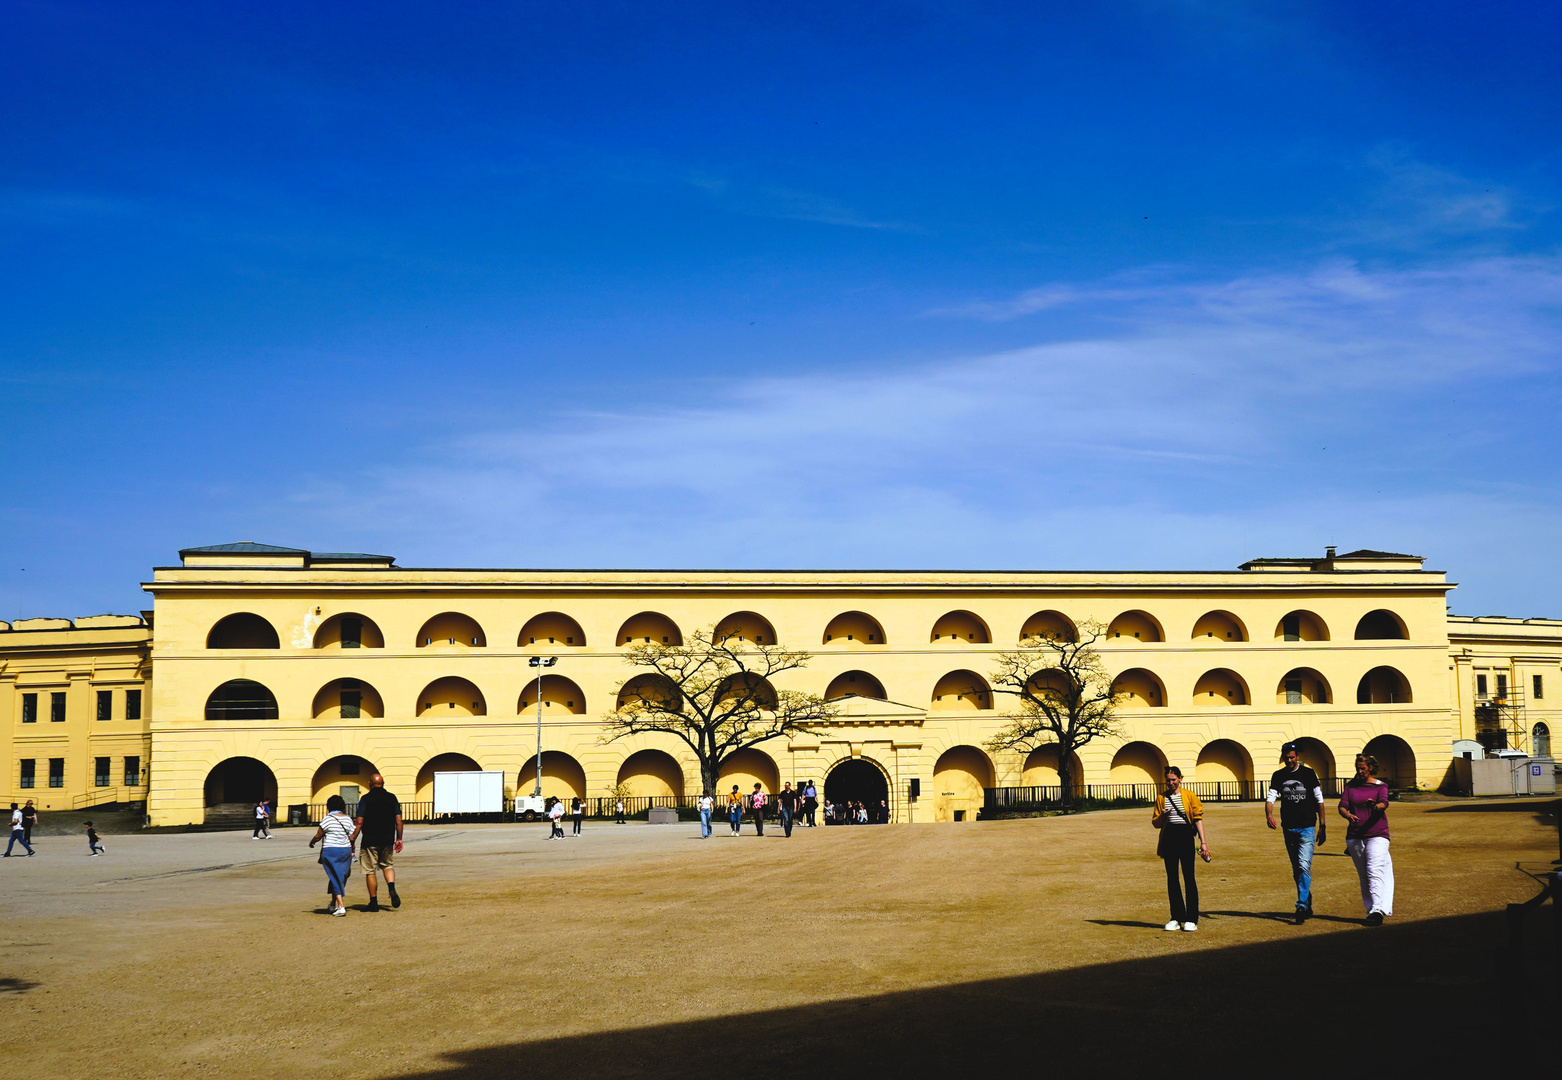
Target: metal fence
604, 807
1050, 796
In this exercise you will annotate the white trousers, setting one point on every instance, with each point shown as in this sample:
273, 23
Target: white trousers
1375, 868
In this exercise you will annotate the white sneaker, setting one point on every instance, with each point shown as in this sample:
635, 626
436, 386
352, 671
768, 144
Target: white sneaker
1190, 926
339, 912
1173, 925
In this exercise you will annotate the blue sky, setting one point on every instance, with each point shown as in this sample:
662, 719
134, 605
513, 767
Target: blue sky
1154, 285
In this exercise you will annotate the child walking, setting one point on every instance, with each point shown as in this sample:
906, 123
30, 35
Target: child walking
94, 848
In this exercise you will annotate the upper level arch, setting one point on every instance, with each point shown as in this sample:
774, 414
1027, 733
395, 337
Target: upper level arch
854, 628
1139, 625
962, 627
1383, 686
745, 628
1140, 689
1301, 626
1303, 686
1049, 624
241, 699
242, 630
854, 683
962, 690
451, 696
549, 629
1220, 625
1380, 625
746, 688
650, 688
649, 628
1222, 686
349, 630
347, 699
559, 695
451, 630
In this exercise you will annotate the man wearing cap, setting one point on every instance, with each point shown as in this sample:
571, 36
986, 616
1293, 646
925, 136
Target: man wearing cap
1296, 788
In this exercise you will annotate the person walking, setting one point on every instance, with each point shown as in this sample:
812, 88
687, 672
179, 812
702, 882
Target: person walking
620, 808
29, 819
260, 822
336, 834
757, 802
577, 812
707, 805
1364, 804
94, 848
17, 833
735, 809
556, 820
810, 802
787, 800
1300, 794
1179, 816
378, 817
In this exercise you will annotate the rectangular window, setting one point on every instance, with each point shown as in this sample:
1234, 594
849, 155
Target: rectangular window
132, 704
57, 707
1480, 686
29, 708
1502, 687
132, 772
352, 633
1538, 687
105, 704
29, 772
1293, 691
100, 775
56, 772
1291, 627
351, 702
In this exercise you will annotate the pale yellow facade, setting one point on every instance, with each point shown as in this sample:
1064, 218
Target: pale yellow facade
1218, 670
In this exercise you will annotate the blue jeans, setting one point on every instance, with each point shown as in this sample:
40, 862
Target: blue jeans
1299, 846
18, 834
704, 822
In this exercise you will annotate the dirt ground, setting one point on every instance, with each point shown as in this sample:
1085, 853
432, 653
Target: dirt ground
644, 951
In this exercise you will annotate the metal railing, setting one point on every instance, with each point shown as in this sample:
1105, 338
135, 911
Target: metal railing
1050, 796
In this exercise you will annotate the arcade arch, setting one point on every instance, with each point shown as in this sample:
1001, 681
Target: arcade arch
853, 780
562, 776
1138, 625
1381, 625
854, 628
959, 777
451, 630
962, 690
1049, 624
961, 628
551, 629
242, 630
1224, 761
1221, 686
441, 763
241, 699
451, 696
1041, 769
1303, 686
1141, 689
347, 776
1316, 755
1220, 625
1138, 763
347, 699
1383, 686
746, 768
649, 628
349, 630
650, 688
741, 685
1301, 626
1396, 761
238, 783
744, 628
560, 697
652, 773
854, 683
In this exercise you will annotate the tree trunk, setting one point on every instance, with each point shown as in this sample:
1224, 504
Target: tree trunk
710, 776
1066, 774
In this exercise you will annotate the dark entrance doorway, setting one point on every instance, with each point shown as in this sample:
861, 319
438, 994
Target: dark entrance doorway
853, 782
239, 783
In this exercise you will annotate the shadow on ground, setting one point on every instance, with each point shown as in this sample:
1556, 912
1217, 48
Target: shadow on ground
1411, 995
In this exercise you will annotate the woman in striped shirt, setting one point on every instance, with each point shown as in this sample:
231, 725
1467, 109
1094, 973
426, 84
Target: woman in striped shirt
338, 833
1180, 817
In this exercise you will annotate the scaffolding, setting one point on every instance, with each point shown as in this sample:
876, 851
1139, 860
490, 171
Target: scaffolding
1499, 715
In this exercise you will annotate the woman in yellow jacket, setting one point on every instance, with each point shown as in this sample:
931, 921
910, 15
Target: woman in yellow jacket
1180, 817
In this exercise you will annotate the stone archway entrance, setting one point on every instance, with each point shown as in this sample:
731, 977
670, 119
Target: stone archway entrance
856, 780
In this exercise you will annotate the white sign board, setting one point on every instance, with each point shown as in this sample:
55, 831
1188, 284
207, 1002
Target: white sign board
468, 792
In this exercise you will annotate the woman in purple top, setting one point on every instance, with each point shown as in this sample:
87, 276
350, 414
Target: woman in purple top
1364, 804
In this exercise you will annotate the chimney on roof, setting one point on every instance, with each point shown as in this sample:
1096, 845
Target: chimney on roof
1328, 552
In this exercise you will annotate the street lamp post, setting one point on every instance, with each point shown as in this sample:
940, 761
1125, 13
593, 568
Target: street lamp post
540, 662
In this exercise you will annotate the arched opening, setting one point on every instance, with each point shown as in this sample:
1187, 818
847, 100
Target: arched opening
441, 763
959, 777
854, 628
744, 628
962, 690
242, 630
961, 628
347, 699
747, 768
1049, 624
1136, 626
1540, 741
1220, 626
1140, 689
1220, 687
858, 780
649, 628
854, 684
349, 631
347, 776
1138, 763
1222, 762
241, 699
1301, 626
451, 630
1041, 769
560, 697
1383, 686
1303, 686
451, 696
1316, 755
550, 629
743, 689
562, 776
650, 688
233, 788
1380, 625
1396, 761
652, 773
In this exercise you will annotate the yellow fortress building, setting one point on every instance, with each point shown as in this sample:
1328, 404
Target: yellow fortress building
292, 675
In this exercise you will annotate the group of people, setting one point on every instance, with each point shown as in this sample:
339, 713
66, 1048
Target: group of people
856, 813
25, 818
1298, 792
792, 807
375, 828
577, 813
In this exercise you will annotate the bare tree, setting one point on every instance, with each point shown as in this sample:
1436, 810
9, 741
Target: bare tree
715, 695
1064, 697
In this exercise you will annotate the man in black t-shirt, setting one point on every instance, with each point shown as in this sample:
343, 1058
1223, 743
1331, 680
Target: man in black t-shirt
1296, 788
379, 839
788, 801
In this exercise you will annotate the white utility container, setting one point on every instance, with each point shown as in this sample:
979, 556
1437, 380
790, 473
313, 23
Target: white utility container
468, 792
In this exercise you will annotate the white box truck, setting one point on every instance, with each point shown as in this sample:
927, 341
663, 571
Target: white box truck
469, 792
